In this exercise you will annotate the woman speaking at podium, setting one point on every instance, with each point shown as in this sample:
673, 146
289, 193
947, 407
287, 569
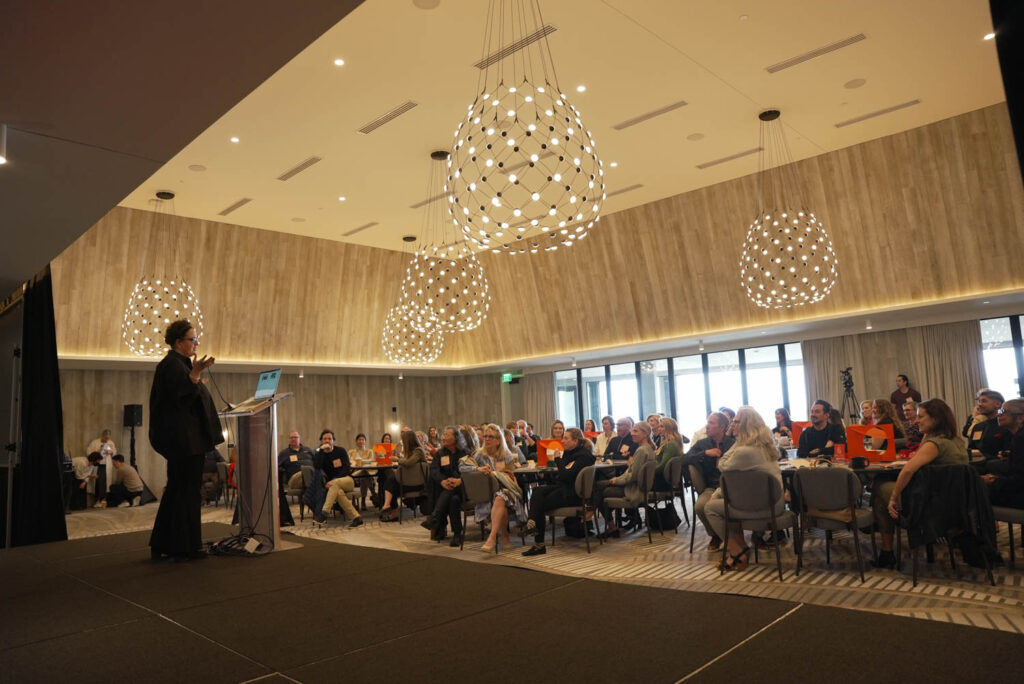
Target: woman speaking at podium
183, 426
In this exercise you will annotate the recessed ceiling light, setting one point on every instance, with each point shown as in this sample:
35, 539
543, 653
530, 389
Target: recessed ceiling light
695, 136
614, 164
342, 199
581, 88
196, 167
743, 17
234, 140
339, 62
989, 36
298, 219
855, 83
426, 4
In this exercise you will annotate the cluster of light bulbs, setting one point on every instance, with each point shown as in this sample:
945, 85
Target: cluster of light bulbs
403, 344
154, 304
445, 290
787, 260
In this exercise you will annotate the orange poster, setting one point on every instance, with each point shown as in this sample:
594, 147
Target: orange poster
856, 434
545, 449
798, 427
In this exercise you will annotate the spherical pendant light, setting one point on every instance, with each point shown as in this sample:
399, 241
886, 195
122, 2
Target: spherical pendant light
405, 345
787, 260
154, 304
445, 290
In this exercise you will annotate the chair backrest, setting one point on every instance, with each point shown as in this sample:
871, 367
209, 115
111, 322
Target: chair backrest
478, 488
828, 489
307, 476
749, 490
696, 478
585, 482
414, 475
674, 472
222, 471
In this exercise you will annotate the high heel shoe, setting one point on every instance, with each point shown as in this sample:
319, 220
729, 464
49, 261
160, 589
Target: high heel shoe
487, 547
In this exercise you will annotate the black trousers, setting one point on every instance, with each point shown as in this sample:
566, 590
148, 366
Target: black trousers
449, 503
178, 526
547, 498
118, 494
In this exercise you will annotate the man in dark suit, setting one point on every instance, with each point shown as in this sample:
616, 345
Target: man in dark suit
183, 427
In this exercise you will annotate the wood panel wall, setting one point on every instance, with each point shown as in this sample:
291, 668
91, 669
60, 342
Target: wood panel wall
348, 404
926, 215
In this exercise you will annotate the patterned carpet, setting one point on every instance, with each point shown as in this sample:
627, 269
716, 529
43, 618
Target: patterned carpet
668, 563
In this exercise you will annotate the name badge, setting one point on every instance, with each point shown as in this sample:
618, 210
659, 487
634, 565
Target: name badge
337, 462
976, 435
293, 458
445, 461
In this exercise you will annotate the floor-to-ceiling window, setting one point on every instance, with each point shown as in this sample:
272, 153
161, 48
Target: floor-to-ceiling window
764, 381
654, 387
625, 401
566, 400
691, 409
725, 380
595, 394
1001, 353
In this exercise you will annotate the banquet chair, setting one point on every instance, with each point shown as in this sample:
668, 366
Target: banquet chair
747, 494
828, 500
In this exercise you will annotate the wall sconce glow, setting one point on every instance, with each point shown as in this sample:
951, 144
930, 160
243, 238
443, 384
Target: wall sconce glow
3, 143
394, 427
867, 325
401, 376
574, 362
302, 373
700, 345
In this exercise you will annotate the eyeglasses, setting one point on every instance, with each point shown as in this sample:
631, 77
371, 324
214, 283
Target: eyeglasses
1012, 413
490, 436
735, 422
189, 339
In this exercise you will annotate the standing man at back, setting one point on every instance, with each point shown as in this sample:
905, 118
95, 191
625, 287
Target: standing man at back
903, 392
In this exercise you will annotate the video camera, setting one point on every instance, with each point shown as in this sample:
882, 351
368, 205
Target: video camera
847, 377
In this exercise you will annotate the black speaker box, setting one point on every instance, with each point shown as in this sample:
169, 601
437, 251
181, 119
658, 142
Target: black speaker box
132, 415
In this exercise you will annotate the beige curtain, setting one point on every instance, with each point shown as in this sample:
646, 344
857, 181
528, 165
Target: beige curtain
941, 361
539, 400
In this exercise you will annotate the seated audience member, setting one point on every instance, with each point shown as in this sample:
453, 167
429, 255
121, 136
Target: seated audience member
211, 476
527, 440
986, 439
865, 412
494, 459
292, 458
589, 426
836, 418
884, 413
671, 446
480, 433
653, 420
125, 487
1006, 479
754, 450
513, 447
704, 456
940, 444
910, 427
627, 484
472, 441
783, 430
361, 453
622, 444
819, 439
557, 429
576, 455
428, 449
415, 455
607, 432
444, 471
433, 438
903, 392
333, 461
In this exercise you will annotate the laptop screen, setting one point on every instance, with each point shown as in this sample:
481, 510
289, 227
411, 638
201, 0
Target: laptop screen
267, 384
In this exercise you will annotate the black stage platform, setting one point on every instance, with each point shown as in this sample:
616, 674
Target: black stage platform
98, 610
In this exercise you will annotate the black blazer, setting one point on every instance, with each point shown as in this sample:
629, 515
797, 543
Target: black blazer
182, 418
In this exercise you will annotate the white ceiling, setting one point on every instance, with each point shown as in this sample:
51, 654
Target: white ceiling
634, 56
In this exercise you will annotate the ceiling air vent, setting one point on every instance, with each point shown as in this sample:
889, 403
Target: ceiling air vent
390, 116
298, 169
649, 115
629, 188
515, 47
429, 200
880, 112
371, 224
522, 165
237, 205
738, 155
818, 52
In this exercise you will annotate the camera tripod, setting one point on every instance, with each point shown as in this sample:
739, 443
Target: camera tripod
850, 406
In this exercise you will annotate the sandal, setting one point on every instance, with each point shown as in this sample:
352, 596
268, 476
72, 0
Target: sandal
740, 560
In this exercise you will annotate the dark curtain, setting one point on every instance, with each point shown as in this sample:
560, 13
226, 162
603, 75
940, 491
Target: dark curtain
1008, 22
38, 514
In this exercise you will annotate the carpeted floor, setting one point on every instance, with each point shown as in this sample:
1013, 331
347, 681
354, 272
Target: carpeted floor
98, 610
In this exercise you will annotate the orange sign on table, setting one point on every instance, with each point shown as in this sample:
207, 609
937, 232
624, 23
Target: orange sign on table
798, 427
545, 447
383, 451
856, 434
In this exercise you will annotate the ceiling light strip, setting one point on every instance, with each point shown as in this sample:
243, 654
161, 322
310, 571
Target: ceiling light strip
738, 155
650, 115
880, 112
626, 189
807, 56
240, 203
515, 47
371, 224
390, 116
298, 169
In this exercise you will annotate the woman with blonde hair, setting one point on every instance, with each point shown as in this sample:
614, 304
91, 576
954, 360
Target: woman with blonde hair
495, 459
750, 430
671, 446
626, 485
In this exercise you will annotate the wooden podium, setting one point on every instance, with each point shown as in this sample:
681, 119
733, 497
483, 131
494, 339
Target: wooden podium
256, 471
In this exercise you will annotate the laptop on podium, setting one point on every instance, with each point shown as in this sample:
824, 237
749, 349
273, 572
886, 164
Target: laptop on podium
266, 388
